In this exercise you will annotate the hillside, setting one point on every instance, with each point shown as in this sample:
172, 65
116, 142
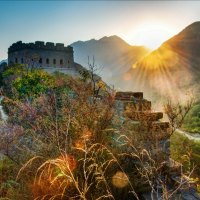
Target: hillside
173, 68
112, 54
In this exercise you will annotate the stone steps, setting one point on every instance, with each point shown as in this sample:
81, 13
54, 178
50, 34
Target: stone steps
133, 106
160, 126
143, 116
153, 134
127, 96
138, 105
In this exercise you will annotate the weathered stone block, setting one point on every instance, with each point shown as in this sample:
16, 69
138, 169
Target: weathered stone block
39, 44
127, 96
60, 45
162, 125
138, 105
50, 44
144, 116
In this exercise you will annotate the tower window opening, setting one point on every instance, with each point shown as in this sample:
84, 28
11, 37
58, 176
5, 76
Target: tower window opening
54, 61
61, 61
22, 61
16, 60
40, 60
47, 61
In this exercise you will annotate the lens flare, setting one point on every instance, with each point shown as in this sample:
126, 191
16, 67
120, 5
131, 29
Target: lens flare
120, 180
68, 161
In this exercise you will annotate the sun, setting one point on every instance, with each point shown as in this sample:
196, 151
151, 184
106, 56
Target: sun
151, 35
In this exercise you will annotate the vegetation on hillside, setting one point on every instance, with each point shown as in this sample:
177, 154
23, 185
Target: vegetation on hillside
22, 83
186, 151
64, 140
192, 120
183, 149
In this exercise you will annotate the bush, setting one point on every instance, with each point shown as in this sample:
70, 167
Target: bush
69, 142
192, 121
22, 83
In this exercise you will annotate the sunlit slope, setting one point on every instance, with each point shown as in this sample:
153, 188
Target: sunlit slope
112, 54
172, 69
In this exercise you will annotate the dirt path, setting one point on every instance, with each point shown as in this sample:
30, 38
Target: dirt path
190, 136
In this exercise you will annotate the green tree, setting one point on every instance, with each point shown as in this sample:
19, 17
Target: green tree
22, 83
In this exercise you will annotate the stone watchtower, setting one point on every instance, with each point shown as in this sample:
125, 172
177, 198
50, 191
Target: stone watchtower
49, 56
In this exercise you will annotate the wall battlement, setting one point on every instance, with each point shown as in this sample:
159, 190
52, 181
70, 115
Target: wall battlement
39, 45
42, 55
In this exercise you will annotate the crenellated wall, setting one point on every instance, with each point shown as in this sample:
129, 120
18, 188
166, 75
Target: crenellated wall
41, 54
39, 45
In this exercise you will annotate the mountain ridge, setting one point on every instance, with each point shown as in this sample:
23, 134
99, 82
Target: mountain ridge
110, 52
174, 66
2, 61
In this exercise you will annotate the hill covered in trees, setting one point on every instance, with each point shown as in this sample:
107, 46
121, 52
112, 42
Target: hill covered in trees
71, 137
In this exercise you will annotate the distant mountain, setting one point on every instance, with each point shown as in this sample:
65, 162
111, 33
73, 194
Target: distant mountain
172, 69
2, 64
6, 61
112, 54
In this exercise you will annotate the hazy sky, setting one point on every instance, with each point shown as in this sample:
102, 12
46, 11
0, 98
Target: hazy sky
137, 22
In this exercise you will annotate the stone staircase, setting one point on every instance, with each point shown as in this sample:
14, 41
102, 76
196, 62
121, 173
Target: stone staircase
132, 105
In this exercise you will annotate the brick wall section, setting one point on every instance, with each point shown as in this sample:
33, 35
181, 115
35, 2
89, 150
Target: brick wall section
133, 106
143, 115
127, 96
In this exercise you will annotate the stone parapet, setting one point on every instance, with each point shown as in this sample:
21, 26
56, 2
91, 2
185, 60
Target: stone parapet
161, 125
128, 96
144, 116
70, 71
39, 45
138, 105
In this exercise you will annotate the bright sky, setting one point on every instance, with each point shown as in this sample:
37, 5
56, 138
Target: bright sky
138, 22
